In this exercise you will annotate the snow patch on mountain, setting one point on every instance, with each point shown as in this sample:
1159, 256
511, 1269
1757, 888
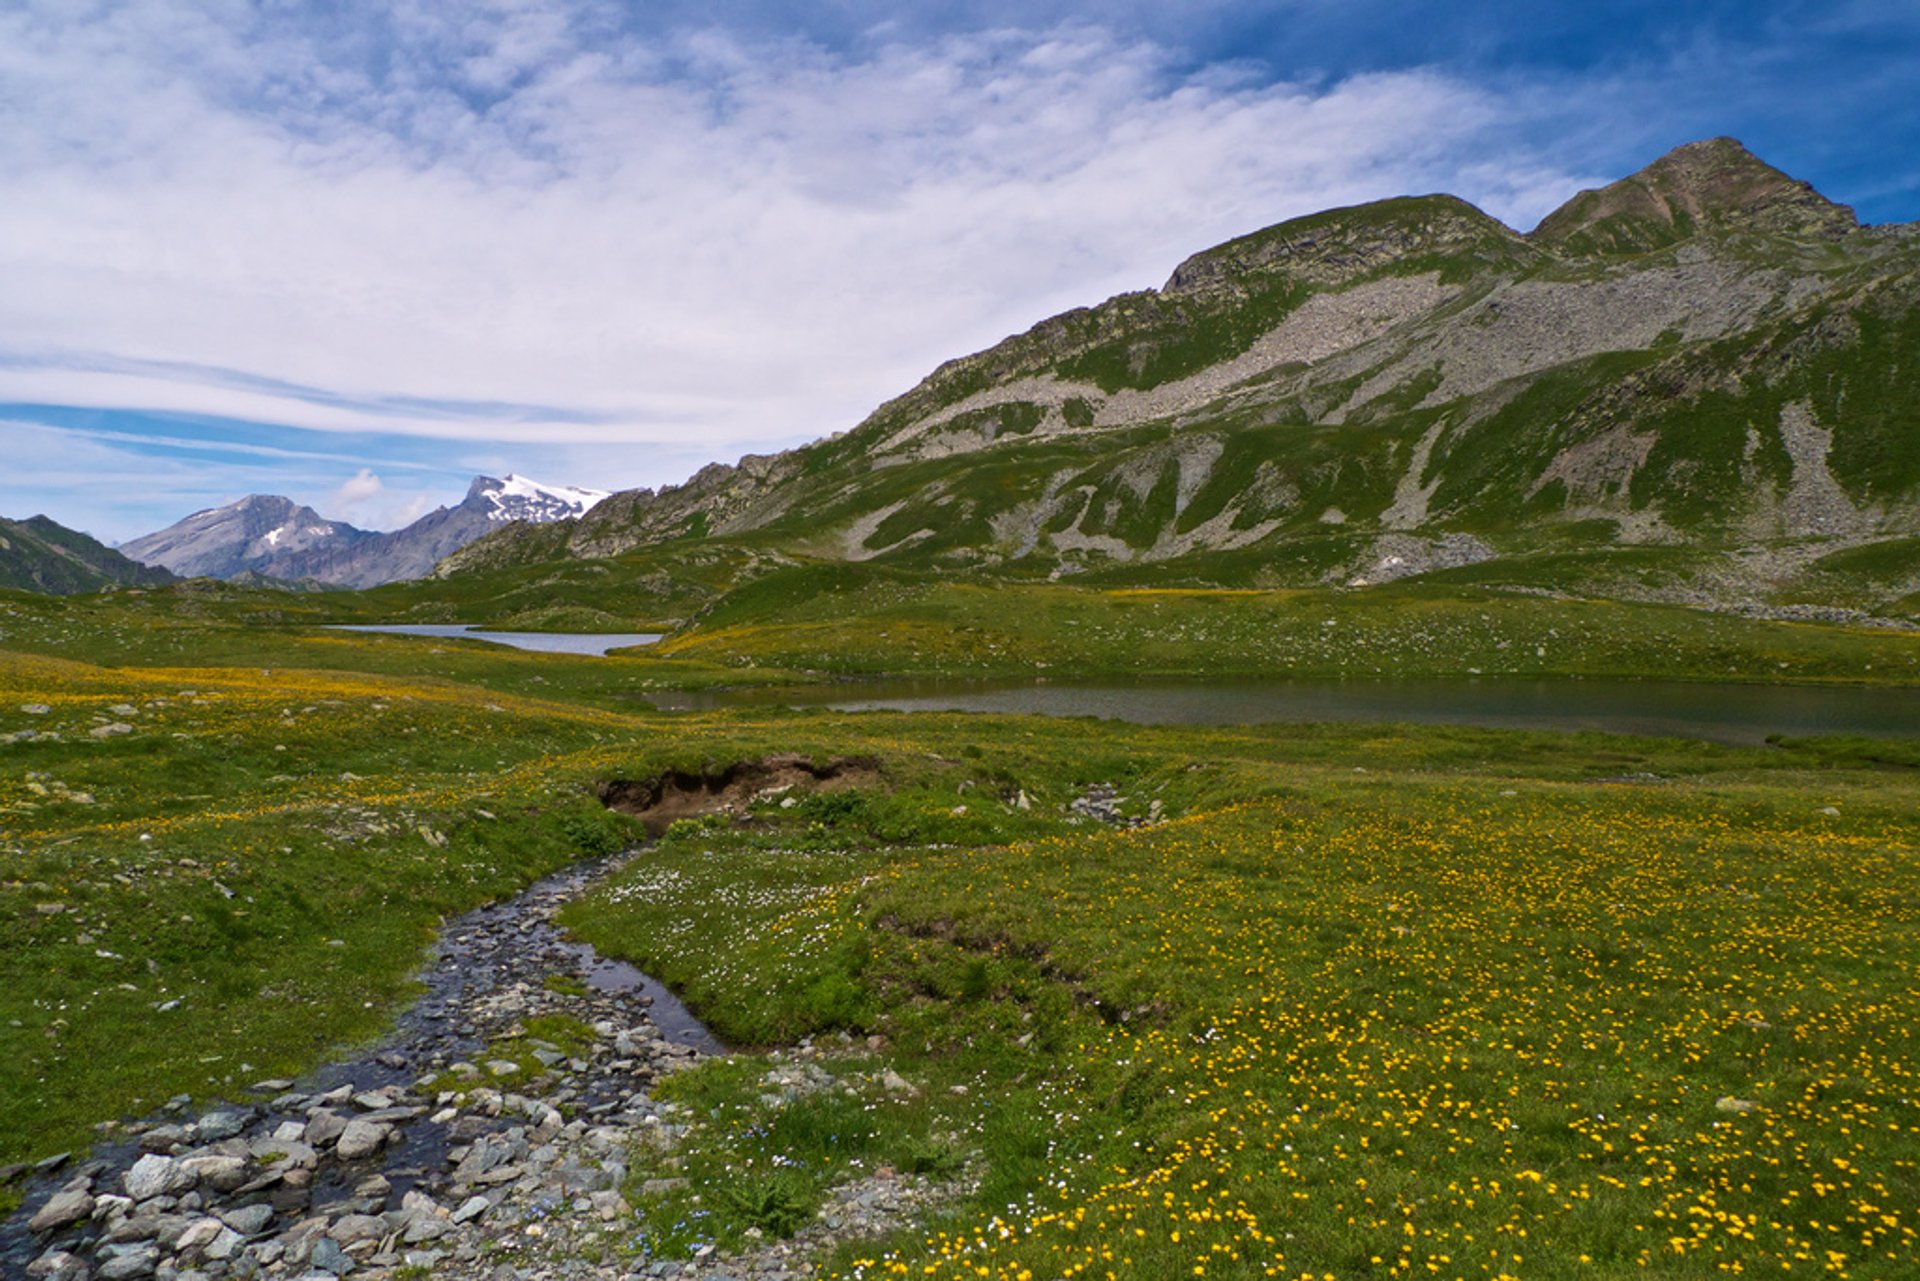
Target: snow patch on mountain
519, 498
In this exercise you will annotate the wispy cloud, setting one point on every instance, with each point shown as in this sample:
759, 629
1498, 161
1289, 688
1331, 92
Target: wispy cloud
596, 241
523, 224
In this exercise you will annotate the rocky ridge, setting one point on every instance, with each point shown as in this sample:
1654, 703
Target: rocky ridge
1700, 355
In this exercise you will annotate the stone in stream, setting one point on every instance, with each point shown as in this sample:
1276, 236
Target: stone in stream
165, 1138
362, 1139
198, 1235
59, 1265
70, 1205
126, 1267
215, 1126
249, 1220
324, 1126
153, 1175
218, 1171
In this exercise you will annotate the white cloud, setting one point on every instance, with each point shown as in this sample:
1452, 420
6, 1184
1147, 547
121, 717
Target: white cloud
686, 243
363, 485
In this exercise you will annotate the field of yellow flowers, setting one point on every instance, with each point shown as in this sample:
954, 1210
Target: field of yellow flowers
1403, 1027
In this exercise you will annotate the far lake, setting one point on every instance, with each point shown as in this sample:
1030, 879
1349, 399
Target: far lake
597, 644
1678, 709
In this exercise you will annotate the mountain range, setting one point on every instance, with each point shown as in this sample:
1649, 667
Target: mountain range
1707, 357
272, 537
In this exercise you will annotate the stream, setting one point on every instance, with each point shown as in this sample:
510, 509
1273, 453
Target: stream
265, 1167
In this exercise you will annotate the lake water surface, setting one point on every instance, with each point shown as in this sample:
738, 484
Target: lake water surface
595, 643
1718, 713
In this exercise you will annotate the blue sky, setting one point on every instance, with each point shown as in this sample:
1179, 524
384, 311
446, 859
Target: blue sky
357, 252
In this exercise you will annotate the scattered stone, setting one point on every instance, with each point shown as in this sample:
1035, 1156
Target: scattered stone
1729, 1103
126, 1267
215, 1126
362, 1138
249, 1220
59, 1265
67, 1206
329, 1257
324, 1126
154, 1175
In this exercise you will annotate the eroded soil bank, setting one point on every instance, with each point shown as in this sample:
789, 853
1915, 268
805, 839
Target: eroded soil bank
677, 794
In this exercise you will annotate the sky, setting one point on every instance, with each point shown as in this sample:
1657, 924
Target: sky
356, 252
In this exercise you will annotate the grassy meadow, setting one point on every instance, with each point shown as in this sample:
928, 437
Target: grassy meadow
1351, 1001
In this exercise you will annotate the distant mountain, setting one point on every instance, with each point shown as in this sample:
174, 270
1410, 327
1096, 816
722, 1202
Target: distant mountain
1705, 360
40, 555
256, 533
276, 538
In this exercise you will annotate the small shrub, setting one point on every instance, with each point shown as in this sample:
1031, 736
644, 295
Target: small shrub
778, 1203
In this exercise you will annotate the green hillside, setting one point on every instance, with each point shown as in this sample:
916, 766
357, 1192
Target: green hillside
40, 555
1706, 362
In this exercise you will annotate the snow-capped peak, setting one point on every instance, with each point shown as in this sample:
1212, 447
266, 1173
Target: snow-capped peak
518, 498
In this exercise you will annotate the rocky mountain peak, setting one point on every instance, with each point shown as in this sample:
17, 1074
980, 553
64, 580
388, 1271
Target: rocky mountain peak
1340, 245
1712, 185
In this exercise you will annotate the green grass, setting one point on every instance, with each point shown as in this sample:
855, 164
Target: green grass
864, 620
1468, 949
1394, 1017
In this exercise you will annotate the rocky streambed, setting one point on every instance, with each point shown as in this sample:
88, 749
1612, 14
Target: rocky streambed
464, 1145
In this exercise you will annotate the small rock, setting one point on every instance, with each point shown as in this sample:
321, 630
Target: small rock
324, 1126
59, 1265
165, 1138
198, 1234
111, 730
1729, 1103
472, 1208
218, 1172
362, 1139
153, 1175
249, 1220
215, 1126
126, 1267
65, 1207
358, 1227
225, 1245
610, 1205
329, 1257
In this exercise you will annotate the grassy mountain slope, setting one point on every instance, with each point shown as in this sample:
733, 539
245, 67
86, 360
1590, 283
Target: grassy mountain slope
40, 555
1707, 358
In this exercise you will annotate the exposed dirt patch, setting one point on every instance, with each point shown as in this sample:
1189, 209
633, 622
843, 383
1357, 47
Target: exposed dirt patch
660, 800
